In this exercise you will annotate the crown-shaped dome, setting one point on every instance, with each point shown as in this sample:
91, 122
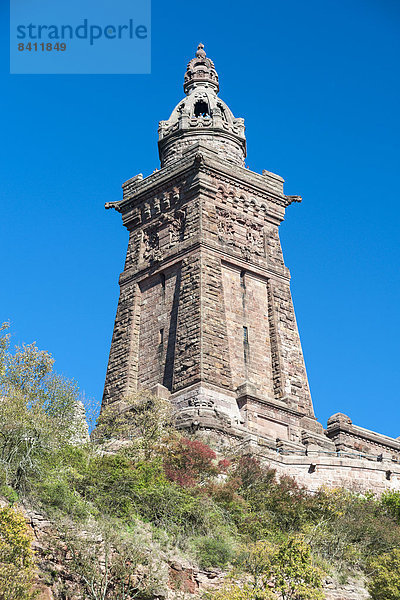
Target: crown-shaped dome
202, 116
200, 70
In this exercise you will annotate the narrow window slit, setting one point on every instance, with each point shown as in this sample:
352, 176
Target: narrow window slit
162, 281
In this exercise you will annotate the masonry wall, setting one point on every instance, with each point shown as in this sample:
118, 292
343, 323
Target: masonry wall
157, 289
358, 475
158, 326
123, 363
242, 225
246, 305
203, 262
288, 355
227, 149
215, 362
187, 357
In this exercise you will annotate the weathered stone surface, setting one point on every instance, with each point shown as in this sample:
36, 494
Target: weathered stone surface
350, 438
353, 589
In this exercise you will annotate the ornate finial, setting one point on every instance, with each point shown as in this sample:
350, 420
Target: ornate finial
200, 70
201, 53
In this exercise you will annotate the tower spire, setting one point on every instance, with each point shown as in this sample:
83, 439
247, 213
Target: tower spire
202, 116
200, 71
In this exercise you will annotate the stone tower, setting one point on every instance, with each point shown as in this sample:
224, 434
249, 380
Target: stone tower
205, 313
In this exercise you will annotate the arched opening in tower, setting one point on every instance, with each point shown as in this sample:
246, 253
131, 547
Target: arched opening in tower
201, 109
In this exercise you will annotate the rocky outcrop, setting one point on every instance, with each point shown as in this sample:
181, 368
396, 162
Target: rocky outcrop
353, 589
56, 580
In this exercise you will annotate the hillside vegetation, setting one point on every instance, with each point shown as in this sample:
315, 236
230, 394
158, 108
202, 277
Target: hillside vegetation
122, 509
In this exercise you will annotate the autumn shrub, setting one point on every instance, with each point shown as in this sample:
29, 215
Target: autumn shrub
189, 462
252, 474
17, 567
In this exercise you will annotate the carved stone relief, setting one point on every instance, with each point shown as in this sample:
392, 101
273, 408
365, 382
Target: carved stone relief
233, 228
176, 225
158, 237
151, 243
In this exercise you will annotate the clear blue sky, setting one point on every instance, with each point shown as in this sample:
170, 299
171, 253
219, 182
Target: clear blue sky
318, 86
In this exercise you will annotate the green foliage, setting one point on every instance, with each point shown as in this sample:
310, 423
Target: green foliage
385, 576
180, 490
214, 552
37, 411
226, 495
292, 572
232, 591
142, 418
129, 569
16, 557
342, 528
274, 507
284, 572
391, 502
145, 492
56, 490
351, 529
57, 494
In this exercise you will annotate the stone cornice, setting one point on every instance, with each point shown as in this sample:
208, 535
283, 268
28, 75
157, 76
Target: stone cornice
275, 404
198, 159
348, 429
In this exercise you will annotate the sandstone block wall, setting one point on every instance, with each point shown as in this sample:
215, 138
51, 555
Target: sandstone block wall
205, 294
205, 311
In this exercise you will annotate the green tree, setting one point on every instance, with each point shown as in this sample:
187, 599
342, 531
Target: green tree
385, 578
292, 572
143, 419
37, 411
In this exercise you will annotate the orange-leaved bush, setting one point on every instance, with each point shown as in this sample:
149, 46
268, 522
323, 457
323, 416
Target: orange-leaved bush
189, 462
